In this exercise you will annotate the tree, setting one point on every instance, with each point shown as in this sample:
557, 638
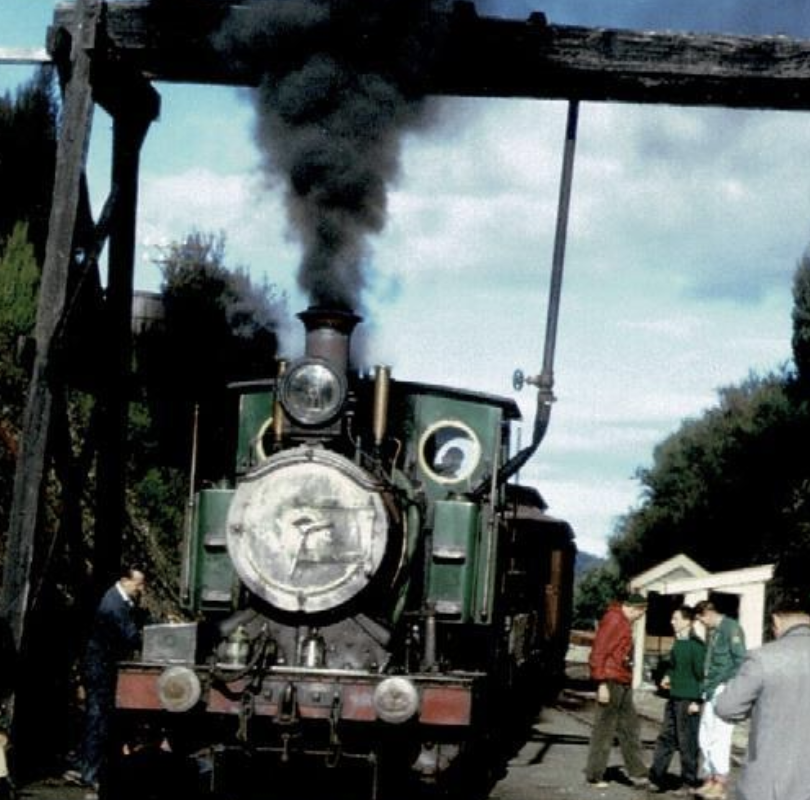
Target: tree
218, 327
19, 284
801, 324
28, 123
595, 589
722, 488
19, 281
28, 134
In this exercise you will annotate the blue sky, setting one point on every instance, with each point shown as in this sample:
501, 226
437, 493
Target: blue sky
686, 227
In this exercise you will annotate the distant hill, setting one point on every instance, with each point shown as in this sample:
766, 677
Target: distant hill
585, 563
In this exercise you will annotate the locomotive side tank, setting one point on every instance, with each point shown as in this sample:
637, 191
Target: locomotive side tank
366, 588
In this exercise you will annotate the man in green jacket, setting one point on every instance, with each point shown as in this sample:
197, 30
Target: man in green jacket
684, 681
725, 652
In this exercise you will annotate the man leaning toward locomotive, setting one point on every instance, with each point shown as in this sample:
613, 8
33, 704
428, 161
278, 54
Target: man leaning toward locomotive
115, 634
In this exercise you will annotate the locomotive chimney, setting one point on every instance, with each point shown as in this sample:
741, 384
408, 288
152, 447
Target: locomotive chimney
329, 334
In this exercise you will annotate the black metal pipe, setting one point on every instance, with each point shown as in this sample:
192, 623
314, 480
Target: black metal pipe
545, 381
560, 238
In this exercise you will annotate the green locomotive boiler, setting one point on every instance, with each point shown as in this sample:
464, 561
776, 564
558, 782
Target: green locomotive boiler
372, 587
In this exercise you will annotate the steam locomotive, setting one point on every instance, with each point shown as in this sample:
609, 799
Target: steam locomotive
370, 588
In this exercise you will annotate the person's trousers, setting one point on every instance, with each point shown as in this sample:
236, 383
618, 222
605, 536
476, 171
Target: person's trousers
714, 737
615, 719
99, 708
679, 733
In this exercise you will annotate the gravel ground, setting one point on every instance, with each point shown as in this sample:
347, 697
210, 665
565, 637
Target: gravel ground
551, 765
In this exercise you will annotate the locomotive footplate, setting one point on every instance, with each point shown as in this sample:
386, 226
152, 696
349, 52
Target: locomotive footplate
287, 693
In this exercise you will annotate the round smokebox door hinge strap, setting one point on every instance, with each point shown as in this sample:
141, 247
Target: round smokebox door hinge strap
335, 745
246, 709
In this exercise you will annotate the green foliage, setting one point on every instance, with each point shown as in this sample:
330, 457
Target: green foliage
162, 494
19, 284
28, 133
218, 324
27, 162
158, 502
593, 592
723, 488
801, 324
218, 327
19, 279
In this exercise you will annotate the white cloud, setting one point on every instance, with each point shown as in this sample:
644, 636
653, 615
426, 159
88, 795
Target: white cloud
595, 507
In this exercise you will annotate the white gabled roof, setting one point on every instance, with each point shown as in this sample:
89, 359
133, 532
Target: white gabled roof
680, 575
675, 568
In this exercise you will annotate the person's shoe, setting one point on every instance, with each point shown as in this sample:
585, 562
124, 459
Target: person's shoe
598, 784
639, 781
73, 776
92, 792
704, 787
718, 792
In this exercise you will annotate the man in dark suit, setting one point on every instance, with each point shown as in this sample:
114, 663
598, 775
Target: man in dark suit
115, 634
773, 688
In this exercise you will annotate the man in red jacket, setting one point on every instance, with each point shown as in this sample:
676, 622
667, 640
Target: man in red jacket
611, 668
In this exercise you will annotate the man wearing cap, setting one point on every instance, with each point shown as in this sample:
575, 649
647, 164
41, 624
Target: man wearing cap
725, 652
611, 668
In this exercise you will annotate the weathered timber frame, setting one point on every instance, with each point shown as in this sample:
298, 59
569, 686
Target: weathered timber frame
108, 54
89, 76
170, 40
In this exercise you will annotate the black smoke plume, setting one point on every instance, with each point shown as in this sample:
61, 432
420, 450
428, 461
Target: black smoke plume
341, 81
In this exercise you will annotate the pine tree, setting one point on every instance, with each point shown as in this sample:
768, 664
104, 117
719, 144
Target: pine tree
801, 324
28, 133
19, 284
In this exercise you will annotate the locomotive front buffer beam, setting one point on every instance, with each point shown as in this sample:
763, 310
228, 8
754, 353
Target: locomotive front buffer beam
346, 714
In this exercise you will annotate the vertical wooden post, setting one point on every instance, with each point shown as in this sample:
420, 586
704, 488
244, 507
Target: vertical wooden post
130, 124
71, 156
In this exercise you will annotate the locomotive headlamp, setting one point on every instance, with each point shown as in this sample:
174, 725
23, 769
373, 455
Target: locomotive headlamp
178, 689
396, 700
312, 392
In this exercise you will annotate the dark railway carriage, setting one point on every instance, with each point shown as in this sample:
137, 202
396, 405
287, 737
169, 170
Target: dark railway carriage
369, 587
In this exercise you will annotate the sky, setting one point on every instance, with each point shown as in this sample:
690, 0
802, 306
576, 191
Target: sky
686, 226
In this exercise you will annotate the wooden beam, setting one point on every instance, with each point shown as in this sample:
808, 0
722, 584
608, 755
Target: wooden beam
130, 125
31, 463
493, 57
